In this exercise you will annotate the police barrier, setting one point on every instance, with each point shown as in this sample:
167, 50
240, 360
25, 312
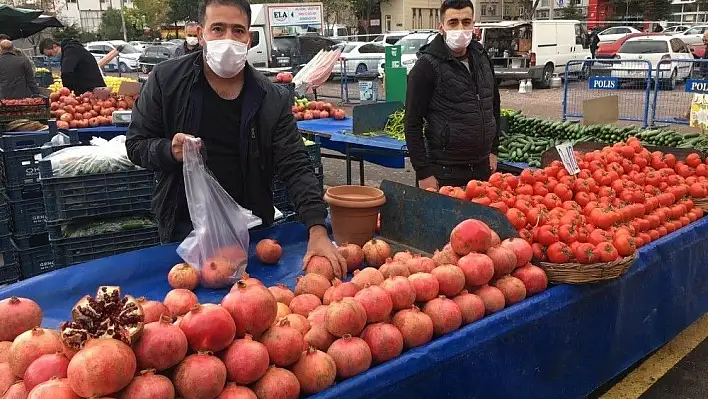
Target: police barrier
676, 84
359, 79
629, 80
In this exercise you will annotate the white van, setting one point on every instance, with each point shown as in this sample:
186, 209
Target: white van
535, 50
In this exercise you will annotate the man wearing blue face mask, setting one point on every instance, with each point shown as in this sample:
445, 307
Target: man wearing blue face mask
453, 92
245, 124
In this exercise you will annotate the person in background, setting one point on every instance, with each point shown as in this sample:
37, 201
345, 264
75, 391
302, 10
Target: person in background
79, 70
452, 91
594, 43
16, 74
191, 42
245, 124
16, 50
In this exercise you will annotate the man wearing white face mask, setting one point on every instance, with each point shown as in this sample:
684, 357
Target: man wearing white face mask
191, 41
453, 92
245, 124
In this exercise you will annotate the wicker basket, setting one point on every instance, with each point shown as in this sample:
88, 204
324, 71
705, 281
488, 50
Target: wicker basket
577, 273
701, 203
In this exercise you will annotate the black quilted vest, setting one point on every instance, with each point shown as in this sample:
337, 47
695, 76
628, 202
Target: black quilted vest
460, 121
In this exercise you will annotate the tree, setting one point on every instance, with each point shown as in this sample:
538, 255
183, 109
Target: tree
73, 32
572, 11
182, 10
364, 10
112, 29
651, 10
149, 13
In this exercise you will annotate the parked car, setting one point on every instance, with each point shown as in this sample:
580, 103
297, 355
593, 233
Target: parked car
693, 35
609, 49
655, 49
676, 29
410, 44
390, 37
363, 57
154, 55
296, 51
127, 60
140, 46
616, 32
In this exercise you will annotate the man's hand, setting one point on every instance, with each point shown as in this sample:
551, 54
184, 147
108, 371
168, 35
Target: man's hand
429, 182
177, 145
321, 245
493, 159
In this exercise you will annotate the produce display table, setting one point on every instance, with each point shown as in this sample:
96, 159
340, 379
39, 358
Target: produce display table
562, 343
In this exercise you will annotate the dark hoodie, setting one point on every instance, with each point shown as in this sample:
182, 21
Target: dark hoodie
459, 107
79, 69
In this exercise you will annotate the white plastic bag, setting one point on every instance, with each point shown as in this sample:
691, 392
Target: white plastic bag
218, 245
100, 157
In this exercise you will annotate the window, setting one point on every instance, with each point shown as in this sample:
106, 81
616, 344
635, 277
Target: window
371, 49
255, 38
677, 46
483, 11
492, 10
695, 31
414, 20
387, 20
644, 47
507, 10
430, 18
610, 31
393, 39
545, 3
90, 20
420, 18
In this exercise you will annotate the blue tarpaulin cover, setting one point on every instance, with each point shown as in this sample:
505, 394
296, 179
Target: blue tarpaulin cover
562, 343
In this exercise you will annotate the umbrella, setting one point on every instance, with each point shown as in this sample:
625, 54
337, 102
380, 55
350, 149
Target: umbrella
26, 29
16, 15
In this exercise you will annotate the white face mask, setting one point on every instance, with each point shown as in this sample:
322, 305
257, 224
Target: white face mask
458, 40
192, 40
226, 57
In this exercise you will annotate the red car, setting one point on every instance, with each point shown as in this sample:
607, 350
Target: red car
609, 49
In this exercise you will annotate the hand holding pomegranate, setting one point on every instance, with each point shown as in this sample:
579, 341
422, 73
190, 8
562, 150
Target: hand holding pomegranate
321, 245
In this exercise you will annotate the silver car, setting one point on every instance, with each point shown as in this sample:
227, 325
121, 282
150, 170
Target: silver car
359, 57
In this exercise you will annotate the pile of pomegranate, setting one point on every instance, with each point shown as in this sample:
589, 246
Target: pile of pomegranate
623, 198
264, 342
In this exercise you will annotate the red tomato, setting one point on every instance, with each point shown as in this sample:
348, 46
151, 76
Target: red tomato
559, 253
547, 235
693, 160
625, 245
499, 205
526, 235
567, 234
516, 218
539, 252
527, 176
587, 253
598, 236
536, 217
551, 200
475, 188
607, 252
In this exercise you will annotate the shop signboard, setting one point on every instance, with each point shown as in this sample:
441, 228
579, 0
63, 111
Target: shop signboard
295, 15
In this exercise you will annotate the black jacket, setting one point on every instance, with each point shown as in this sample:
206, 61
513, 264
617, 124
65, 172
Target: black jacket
171, 102
16, 77
183, 50
79, 69
459, 108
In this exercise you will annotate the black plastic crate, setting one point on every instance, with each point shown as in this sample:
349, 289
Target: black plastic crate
27, 210
281, 197
10, 273
35, 261
5, 220
314, 151
7, 251
24, 243
70, 198
70, 251
11, 110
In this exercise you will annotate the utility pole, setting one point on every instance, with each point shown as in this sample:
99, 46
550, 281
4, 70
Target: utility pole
122, 20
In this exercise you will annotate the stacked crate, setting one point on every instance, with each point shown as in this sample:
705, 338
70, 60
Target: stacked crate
9, 269
96, 197
282, 199
19, 171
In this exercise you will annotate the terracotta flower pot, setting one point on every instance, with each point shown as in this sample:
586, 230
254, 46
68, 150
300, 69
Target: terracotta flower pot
354, 210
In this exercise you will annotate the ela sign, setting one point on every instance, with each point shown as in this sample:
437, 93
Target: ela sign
296, 15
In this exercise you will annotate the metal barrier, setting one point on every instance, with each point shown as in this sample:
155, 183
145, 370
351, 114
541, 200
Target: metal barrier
629, 80
346, 72
675, 84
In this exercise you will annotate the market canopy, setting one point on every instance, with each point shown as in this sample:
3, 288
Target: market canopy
16, 15
19, 23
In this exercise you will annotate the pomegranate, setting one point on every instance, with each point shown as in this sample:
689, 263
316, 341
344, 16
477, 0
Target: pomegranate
533, 277
376, 252
471, 306
366, 276
277, 383
153, 310
44, 368
180, 301
353, 254
445, 257
477, 268
103, 366
282, 293
345, 317
163, 345
471, 235
183, 275
415, 326
298, 322
284, 343
68, 352
504, 260
377, 303
513, 289
450, 278
53, 389
283, 310
394, 268
351, 355
317, 316
522, 250
320, 265
16, 391
246, 360
319, 337
200, 376
384, 340
224, 267
492, 297
268, 251
30, 346
18, 315
339, 290
208, 327
148, 385
304, 304
316, 371
444, 313
402, 256
425, 285
248, 280
233, 391
496, 240
420, 264
5, 351
7, 378
253, 308
312, 283
400, 290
